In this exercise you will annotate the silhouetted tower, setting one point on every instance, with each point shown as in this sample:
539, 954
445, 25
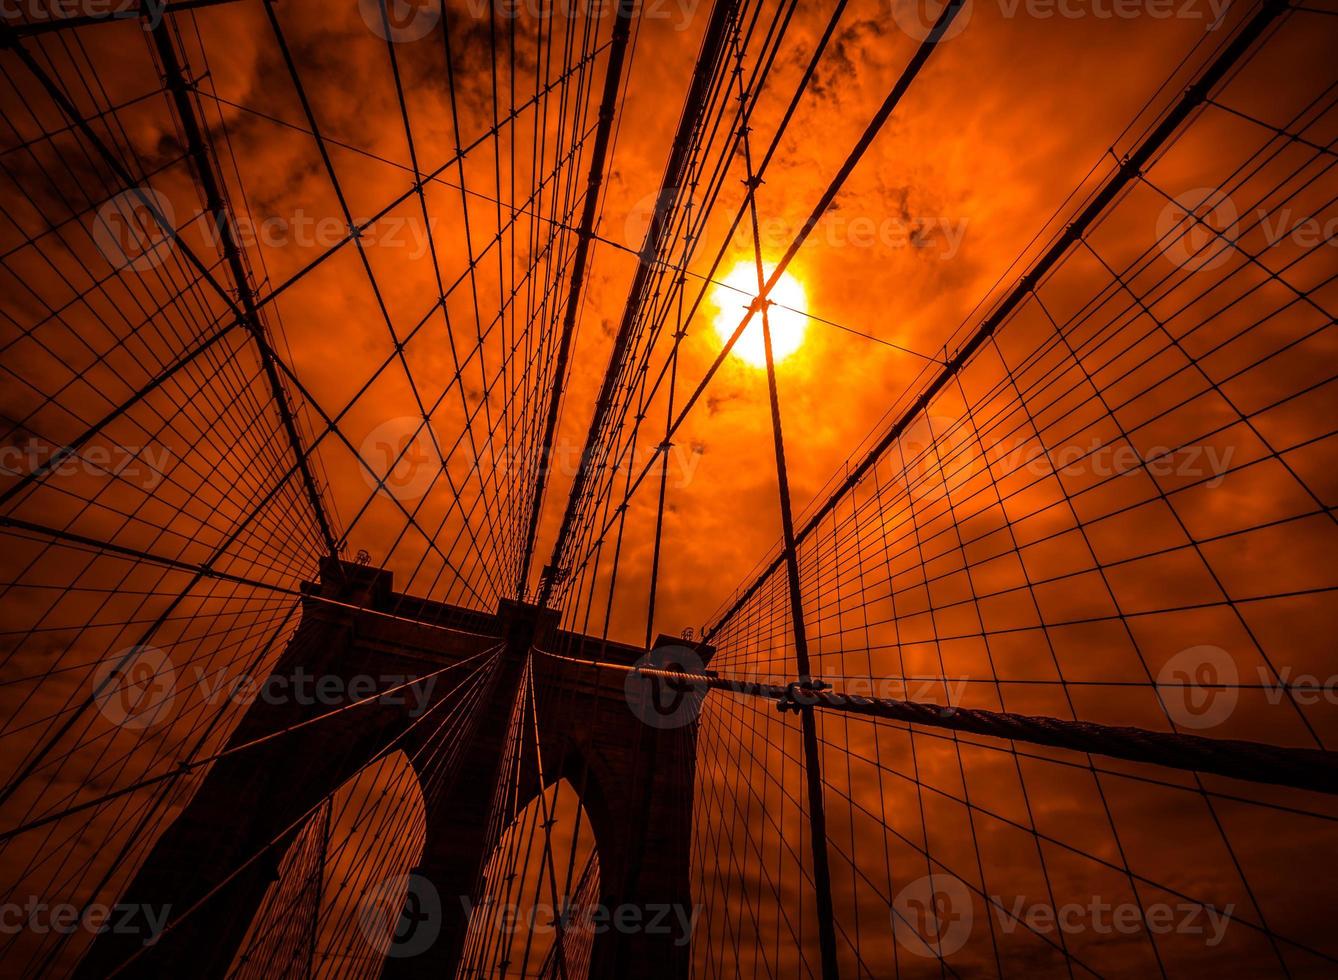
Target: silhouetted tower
634, 782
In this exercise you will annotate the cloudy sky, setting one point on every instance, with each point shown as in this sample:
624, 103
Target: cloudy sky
1018, 115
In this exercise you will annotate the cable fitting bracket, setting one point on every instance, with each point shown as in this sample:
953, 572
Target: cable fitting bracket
800, 694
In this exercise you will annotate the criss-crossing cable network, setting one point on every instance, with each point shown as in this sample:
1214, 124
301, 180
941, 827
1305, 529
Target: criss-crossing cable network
298, 299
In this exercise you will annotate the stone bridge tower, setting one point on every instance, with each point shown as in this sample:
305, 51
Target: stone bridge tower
635, 780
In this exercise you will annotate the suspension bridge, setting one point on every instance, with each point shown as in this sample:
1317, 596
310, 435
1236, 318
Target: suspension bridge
324, 658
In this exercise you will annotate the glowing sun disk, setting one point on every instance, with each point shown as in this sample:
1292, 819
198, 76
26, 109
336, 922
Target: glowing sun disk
787, 325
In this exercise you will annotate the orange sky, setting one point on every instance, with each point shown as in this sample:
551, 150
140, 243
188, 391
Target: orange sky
950, 204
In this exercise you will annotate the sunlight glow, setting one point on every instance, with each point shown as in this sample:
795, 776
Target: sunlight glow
787, 326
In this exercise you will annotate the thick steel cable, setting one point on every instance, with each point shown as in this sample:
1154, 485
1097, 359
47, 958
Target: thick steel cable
1259, 762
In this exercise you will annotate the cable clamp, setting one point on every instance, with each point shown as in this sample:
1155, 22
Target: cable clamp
791, 701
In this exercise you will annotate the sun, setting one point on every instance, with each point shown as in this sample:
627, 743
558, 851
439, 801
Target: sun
732, 297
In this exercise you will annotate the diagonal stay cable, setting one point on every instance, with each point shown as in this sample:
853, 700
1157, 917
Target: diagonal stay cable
1129, 169
613, 79
186, 766
899, 89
